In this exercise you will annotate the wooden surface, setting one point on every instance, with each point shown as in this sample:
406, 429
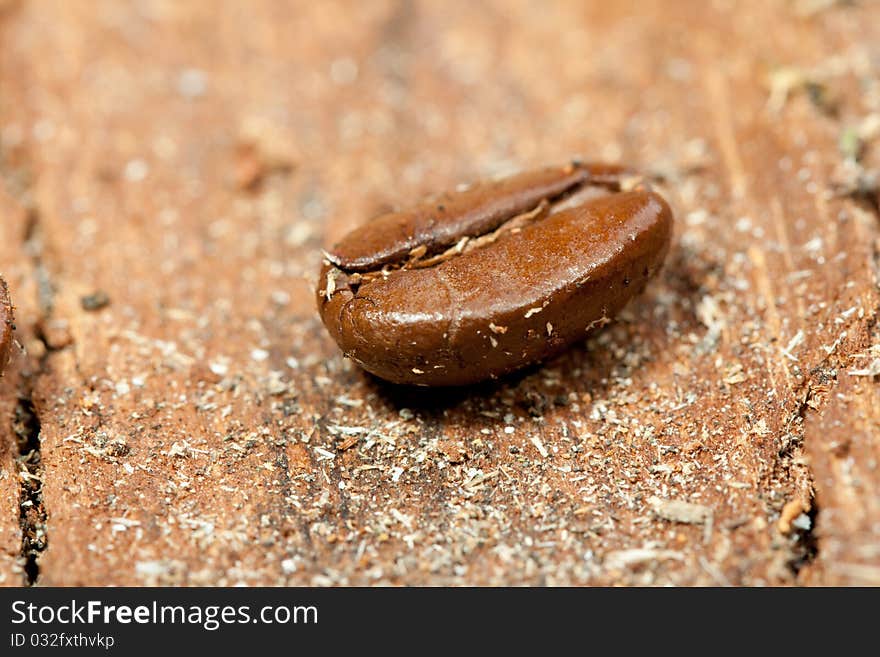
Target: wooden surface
190, 160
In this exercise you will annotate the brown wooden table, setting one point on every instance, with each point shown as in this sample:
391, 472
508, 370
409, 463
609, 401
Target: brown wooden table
176, 413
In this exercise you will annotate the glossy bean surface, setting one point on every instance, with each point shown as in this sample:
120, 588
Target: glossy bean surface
501, 280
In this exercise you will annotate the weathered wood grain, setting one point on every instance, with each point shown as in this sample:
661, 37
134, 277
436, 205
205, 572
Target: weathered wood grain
15, 464
843, 451
190, 160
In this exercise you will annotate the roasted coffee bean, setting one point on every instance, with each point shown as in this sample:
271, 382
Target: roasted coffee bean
477, 283
5, 325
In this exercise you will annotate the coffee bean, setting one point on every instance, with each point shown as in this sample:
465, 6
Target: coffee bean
6, 325
475, 284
